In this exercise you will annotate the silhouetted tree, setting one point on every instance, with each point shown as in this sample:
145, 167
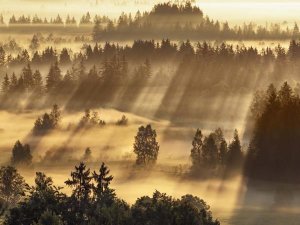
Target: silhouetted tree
21, 154
210, 152
223, 152
54, 77
42, 197
163, 209
81, 183
35, 43
48, 121
196, 152
123, 121
146, 147
273, 150
12, 186
235, 155
104, 195
5, 84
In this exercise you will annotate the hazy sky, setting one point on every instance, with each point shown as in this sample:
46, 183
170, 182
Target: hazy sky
234, 11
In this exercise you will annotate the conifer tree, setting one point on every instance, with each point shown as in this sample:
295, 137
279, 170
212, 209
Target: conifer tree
21, 154
5, 84
235, 155
103, 193
54, 77
196, 152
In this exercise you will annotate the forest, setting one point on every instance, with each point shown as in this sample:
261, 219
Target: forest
163, 116
175, 21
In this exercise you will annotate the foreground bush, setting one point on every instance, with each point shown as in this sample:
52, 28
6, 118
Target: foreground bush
93, 202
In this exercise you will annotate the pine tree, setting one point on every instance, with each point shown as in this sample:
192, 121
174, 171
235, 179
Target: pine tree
196, 152
64, 58
235, 155
38, 82
81, 183
28, 77
21, 154
13, 83
35, 43
55, 116
296, 31
97, 30
223, 152
2, 56
54, 77
285, 94
5, 84
210, 152
102, 192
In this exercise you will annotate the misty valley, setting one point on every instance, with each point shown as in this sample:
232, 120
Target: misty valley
161, 117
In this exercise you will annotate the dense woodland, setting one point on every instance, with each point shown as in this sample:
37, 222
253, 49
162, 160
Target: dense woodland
175, 21
273, 153
119, 74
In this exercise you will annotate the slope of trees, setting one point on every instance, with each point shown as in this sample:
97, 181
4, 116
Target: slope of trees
273, 153
94, 202
177, 21
184, 21
91, 119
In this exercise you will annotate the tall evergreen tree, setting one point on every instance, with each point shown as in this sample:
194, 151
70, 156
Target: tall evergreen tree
38, 82
2, 56
196, 152
81, 183
235, 155
28, 77
103, 193
5, 84
21, 154
210, 152
54, 77
223, 152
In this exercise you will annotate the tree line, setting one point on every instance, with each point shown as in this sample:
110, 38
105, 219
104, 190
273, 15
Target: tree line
210, 155
181, 21
139, 51
184, 22
92, 201
52, 121
86, 19
115, 72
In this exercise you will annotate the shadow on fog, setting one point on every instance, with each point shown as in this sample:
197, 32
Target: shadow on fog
267, 203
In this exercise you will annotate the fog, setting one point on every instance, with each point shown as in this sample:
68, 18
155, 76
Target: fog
177, 87
58, 152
